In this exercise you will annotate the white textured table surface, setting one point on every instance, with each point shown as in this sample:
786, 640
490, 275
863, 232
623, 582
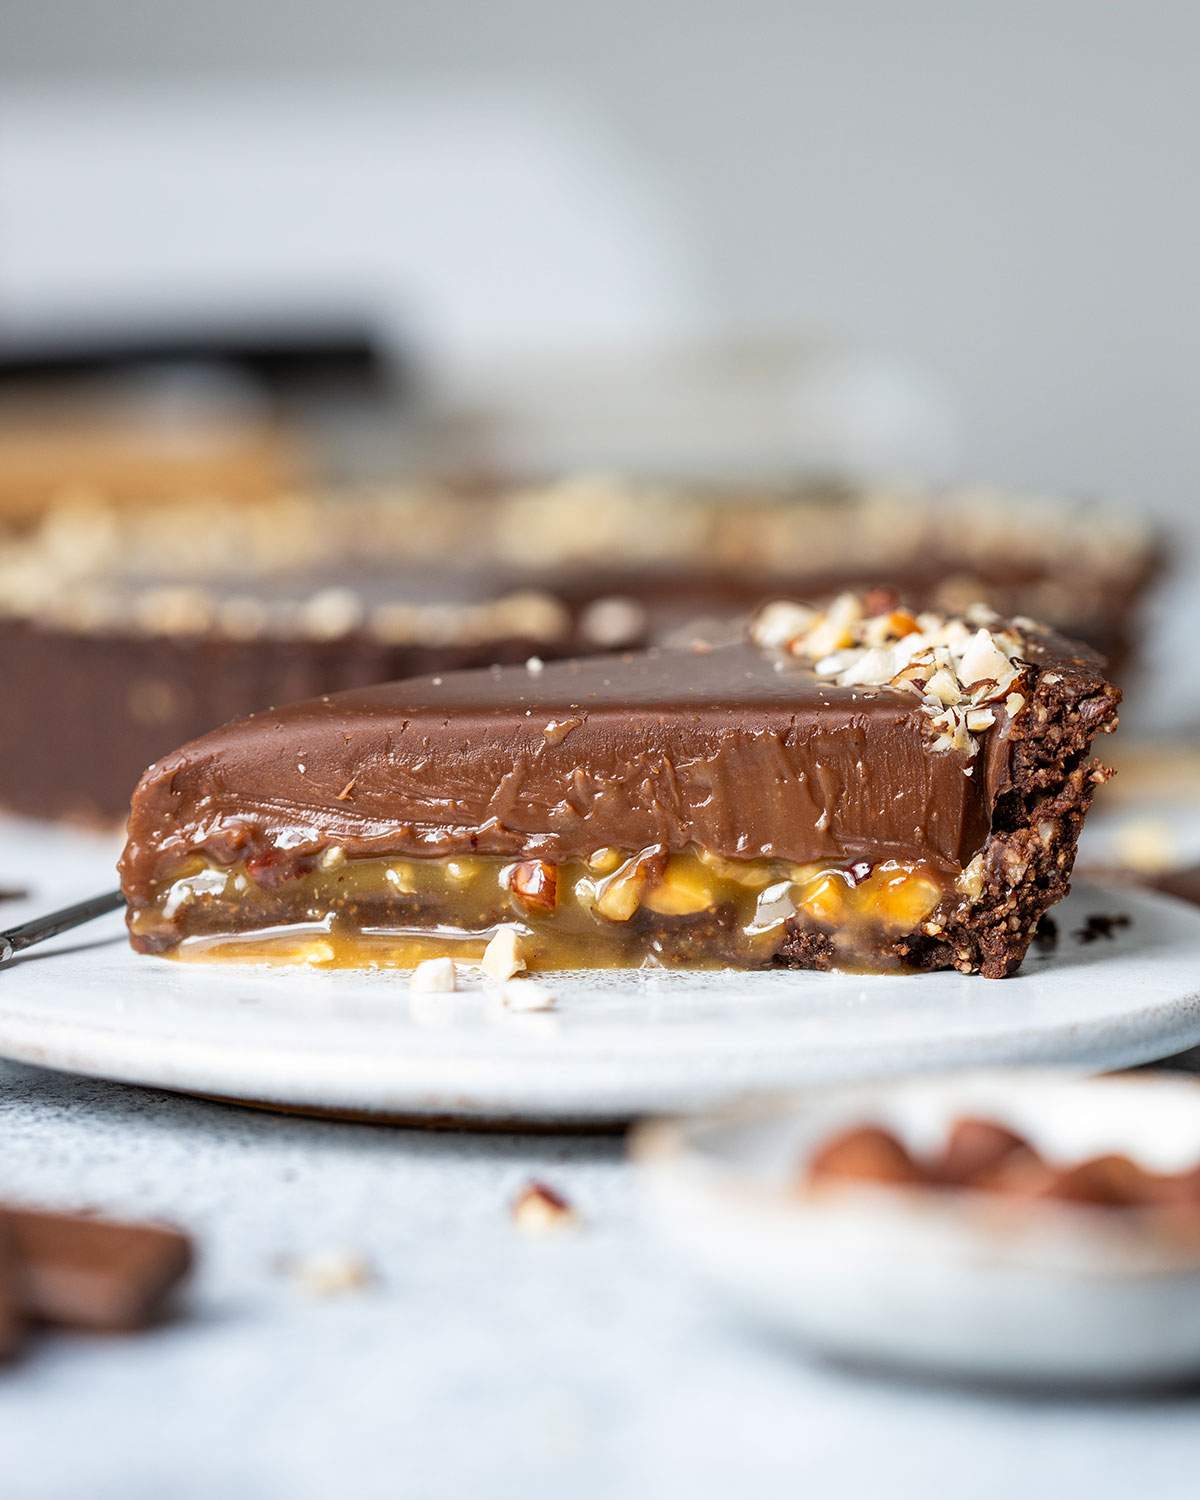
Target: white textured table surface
482, 1363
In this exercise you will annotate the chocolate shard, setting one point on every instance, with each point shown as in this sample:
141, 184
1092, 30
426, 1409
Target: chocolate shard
90, 1273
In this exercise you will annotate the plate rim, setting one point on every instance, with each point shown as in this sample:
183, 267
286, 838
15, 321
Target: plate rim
580, 1085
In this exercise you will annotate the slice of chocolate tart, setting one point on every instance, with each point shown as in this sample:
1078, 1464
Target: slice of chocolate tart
858, 787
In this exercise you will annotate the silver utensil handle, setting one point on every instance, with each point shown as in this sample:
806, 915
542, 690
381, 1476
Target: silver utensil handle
15, 939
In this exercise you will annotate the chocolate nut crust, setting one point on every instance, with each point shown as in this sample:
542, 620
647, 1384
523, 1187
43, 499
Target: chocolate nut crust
1030, 852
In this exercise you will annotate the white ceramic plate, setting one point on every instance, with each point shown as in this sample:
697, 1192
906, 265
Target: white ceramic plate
621, 1043
955, 1283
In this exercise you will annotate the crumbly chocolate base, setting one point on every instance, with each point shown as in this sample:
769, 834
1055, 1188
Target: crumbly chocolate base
1030, 853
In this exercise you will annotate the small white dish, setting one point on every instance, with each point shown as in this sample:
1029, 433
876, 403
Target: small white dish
959, 1283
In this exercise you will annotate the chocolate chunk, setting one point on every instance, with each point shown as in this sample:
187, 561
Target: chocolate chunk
12, 1319
94, 1273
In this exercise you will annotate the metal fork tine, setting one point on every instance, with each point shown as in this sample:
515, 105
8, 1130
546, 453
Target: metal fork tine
15, 939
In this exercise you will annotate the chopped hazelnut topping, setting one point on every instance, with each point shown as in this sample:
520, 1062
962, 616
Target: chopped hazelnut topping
944, 688
502, 957
982, 661
957, 671
836, 628
331, 1272
538, 1209
526, 995
434, 976
780, 623
970, 882
400, 878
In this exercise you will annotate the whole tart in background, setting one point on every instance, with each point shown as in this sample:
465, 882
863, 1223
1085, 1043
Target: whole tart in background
124, 632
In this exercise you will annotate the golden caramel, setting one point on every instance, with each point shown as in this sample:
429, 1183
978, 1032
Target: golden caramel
614, 909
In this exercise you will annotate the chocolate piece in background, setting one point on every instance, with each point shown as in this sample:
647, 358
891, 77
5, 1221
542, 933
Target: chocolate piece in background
99, 1274
1182, 883
12, 1320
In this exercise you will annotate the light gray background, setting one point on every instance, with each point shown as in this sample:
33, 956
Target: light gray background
482, 1363
1003, 195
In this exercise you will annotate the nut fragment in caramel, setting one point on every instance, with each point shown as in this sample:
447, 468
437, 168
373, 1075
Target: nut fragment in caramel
535, 884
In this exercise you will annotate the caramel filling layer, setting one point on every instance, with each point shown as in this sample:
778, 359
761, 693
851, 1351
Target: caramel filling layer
615, 909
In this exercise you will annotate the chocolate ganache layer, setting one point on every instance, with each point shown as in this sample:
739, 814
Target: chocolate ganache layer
662, 747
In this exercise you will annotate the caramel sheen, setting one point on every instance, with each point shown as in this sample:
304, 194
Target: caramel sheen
597, 913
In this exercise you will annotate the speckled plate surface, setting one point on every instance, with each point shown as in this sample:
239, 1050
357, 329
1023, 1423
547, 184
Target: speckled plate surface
620, 1044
